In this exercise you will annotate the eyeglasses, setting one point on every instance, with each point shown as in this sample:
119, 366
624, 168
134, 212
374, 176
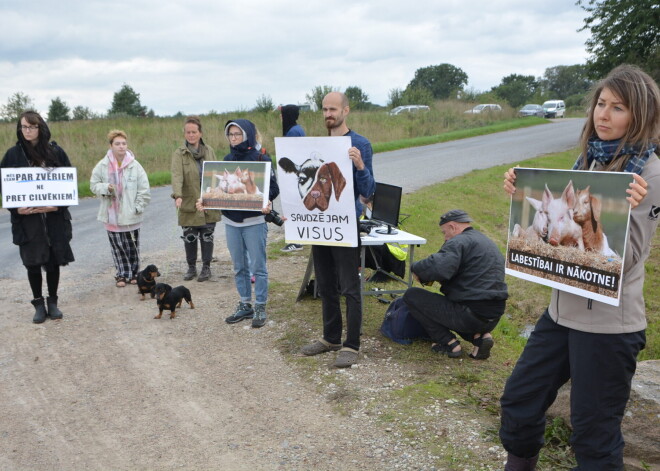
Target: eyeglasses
29, 128
235, 134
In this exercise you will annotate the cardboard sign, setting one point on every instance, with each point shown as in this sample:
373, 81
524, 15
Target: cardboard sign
235, 185
568, 230
315, 177
37, 186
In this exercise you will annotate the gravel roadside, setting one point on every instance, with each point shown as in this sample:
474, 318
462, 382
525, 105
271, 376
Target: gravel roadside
109, 387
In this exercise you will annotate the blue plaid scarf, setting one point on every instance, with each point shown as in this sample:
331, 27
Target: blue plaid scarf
604, 152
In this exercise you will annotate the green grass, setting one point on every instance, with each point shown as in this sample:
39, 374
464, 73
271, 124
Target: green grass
476, 385
153, 140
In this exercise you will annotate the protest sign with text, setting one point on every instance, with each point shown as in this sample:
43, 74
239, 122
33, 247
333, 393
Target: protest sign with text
568, 230
37, 186
315, 176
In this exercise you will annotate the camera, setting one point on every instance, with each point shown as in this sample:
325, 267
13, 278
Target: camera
274, 217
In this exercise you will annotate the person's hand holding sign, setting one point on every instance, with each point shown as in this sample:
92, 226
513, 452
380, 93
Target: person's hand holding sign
25, 211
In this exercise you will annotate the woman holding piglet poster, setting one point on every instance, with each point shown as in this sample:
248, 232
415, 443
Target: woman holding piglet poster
593, 344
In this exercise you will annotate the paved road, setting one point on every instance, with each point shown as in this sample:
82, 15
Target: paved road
410, 168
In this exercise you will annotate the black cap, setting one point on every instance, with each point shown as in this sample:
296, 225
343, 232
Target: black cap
457, 215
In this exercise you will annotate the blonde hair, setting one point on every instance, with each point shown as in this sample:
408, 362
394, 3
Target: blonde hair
640, 94
114, 134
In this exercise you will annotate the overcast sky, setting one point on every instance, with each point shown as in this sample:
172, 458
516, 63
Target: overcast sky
215, 55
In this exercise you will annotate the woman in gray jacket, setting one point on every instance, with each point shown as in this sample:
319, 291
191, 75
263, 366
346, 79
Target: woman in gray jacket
122, 184
593, 344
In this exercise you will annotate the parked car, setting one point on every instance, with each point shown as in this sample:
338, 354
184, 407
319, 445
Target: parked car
532, 110
485, 108
408, 109
554, 108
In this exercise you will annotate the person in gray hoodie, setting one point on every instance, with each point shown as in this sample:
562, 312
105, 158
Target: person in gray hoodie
593, 344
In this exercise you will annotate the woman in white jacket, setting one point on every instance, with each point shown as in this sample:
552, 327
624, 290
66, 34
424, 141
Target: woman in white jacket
122, 184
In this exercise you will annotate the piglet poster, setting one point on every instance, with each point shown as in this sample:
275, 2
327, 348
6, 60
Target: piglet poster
36, 187
315, 176
235, 185
568, 230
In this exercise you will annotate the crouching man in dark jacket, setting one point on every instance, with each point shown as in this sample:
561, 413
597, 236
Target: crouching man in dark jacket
470, 270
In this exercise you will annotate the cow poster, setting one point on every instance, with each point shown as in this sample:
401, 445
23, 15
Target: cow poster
315, 176
568, 230
235, 185
36, 187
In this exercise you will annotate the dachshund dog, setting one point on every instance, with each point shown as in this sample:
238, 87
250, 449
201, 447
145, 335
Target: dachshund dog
305, 171
328, 178
146, 280
170, 298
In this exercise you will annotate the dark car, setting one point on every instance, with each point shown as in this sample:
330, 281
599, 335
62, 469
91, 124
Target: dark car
532, 110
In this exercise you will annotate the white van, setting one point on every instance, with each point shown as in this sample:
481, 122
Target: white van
554, 108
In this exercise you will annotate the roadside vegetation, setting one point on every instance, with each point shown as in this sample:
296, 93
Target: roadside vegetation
154, 139
473, 386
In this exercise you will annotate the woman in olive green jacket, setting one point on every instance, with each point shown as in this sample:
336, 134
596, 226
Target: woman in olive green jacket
187, 163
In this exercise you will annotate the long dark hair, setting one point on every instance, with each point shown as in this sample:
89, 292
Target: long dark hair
41, 154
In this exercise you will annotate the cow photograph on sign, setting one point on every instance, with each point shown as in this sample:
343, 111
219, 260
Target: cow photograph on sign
235, 185
316, 182
568, 230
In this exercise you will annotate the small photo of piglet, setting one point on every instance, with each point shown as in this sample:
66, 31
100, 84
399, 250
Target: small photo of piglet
568, 230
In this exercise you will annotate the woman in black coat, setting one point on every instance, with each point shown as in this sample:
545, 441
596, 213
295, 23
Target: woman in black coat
42, 233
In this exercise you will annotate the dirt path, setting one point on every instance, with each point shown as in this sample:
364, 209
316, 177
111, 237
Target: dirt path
109, 387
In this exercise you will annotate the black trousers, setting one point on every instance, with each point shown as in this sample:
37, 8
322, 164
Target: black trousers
441, 317
337, 274
600, 367
191, 234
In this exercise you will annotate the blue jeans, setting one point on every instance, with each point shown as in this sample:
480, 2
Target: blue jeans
247, 247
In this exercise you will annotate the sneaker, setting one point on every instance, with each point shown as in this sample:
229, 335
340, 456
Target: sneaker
291, 248
259, 319
205, 274
319, 346
191, 273
243, 311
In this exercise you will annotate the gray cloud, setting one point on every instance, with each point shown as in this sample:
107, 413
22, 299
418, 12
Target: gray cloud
203, 55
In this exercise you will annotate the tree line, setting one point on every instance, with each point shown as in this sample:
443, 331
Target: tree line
125, 102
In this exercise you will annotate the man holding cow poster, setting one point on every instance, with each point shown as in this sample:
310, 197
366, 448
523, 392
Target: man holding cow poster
328, 185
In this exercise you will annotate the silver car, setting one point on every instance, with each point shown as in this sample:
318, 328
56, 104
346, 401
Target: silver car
485, 108
408, 109
531, 110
